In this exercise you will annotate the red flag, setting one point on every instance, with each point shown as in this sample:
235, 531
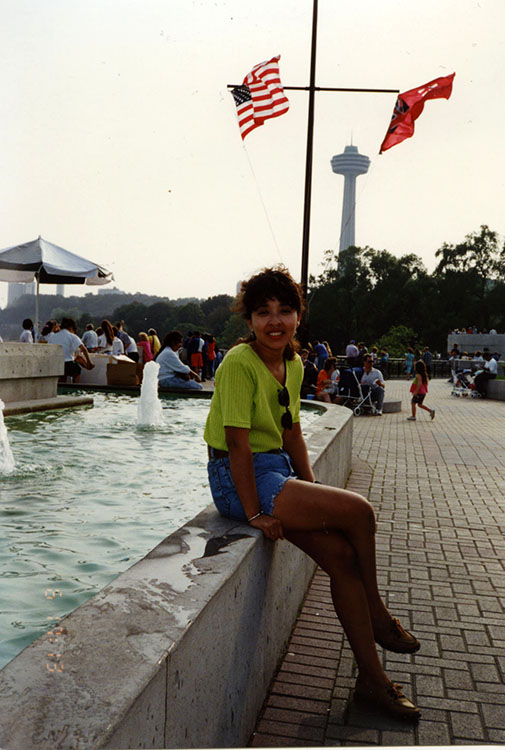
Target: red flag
409, 106
261, 96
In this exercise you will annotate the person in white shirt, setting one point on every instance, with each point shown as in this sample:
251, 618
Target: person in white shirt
121, 334
351, 352
27, 335
373, 380
131, 349
90, 338
50, 328
106, 338
489, 372
75, 353
173, 373
117, 344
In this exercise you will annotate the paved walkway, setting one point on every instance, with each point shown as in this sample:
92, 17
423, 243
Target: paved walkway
438, 489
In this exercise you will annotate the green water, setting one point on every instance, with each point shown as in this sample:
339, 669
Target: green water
90, 496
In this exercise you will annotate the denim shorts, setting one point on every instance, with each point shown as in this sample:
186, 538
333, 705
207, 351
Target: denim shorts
271, 470
175, 382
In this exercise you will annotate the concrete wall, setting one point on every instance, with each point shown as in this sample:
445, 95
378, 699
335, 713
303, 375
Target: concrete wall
473, 342
496, 390
179, 650
29, 371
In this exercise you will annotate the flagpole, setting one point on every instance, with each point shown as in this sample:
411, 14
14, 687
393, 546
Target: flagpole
308, 160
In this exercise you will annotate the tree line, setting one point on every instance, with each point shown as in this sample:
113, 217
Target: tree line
375, 297
369, 295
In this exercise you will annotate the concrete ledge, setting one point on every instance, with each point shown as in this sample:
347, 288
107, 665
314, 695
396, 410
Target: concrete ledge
206, 392
45, 404
179, 650
29, 371
391, 407
496, 389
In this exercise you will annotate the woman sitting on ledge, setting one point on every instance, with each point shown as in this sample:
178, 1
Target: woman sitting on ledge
327, 381
260, 473
173, 373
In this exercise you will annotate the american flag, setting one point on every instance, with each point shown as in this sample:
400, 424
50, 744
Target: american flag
261, 96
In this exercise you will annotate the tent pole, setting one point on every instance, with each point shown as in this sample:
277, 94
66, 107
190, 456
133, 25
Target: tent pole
37, 309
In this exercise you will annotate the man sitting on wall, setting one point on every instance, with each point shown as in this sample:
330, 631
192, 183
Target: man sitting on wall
74, 351
373, 381
489, 372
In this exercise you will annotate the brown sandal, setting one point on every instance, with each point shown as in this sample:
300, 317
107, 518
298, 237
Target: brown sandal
389, 697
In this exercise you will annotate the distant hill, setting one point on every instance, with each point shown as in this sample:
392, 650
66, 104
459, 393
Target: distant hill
139, 311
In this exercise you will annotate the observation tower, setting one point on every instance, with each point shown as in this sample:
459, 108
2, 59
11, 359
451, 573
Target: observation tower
351, 164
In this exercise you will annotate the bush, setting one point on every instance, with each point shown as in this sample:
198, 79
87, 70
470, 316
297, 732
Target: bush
397, 340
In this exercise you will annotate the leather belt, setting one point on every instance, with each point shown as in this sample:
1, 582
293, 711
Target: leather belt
216, 453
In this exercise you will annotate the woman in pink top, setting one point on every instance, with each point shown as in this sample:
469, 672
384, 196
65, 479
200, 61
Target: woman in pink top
145, 346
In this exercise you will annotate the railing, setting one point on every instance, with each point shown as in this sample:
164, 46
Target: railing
440, 368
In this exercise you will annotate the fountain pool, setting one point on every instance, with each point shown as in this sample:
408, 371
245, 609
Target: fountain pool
90, 495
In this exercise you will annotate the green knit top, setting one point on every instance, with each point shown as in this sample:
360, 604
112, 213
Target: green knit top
246, 395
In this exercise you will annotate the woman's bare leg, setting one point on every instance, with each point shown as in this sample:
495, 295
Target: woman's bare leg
305, 507
334, 554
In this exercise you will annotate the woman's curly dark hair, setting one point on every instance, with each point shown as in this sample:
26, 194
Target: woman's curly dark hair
270, 283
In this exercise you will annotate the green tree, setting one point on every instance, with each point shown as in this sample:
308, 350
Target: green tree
235, 328
134, 316
337, 299
217, 312
479, 252
217, 302
397, 340
468, 275
189, 312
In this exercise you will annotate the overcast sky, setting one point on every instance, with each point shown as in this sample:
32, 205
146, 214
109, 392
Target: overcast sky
119, 138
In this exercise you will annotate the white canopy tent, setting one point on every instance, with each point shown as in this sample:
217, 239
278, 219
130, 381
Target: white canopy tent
46, 263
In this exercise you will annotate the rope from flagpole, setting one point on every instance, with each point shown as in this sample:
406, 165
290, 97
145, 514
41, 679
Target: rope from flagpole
263, 204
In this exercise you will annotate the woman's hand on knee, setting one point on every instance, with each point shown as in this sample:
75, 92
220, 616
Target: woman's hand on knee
270, 526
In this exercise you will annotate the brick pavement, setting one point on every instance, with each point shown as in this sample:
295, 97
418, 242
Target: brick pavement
438, 489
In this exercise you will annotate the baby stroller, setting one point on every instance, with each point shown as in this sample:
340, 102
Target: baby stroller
462, 384
349, 389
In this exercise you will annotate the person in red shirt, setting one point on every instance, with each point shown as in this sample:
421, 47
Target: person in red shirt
326, 385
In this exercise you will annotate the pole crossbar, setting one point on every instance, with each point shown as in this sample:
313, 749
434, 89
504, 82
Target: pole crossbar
327, 88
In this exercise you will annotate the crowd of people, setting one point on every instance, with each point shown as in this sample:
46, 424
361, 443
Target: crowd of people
472, 329
482, 364
184, 361
322, 376
187, 361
